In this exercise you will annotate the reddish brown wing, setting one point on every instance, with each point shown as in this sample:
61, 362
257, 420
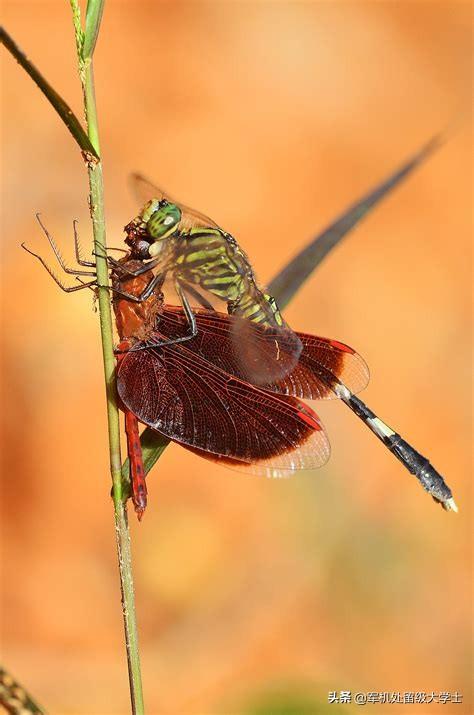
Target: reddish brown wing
178, 393
322, 362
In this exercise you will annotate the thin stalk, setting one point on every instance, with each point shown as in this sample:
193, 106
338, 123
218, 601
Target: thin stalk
121, 521
89, 143
106, 327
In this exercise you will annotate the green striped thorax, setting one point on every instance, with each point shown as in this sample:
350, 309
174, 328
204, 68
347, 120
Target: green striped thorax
200, 253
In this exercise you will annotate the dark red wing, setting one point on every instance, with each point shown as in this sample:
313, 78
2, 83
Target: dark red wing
321, 361
178, 393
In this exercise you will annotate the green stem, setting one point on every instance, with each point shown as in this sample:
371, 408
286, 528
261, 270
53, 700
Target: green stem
121, 521
106, 327
94, 11
89, 143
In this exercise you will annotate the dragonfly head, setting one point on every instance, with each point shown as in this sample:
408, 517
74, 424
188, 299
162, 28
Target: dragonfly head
158, 220
161, 219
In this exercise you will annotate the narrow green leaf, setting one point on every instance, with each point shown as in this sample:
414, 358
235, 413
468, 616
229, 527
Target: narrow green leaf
153, 445
288, 281
94, 12
62, 108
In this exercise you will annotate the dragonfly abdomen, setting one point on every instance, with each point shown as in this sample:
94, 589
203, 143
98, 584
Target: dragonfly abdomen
415, 462
258, 307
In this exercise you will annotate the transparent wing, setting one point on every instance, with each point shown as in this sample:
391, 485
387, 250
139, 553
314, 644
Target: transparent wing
322, 364
144, 190
197, 296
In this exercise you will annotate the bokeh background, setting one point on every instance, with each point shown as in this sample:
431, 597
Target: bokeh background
253, 596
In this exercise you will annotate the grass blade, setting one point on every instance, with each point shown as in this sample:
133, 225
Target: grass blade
288, 281
153, 445
94, 12
61, 107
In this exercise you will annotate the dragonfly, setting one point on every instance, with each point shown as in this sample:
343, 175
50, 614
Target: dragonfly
175, 390
194, 389
202, 260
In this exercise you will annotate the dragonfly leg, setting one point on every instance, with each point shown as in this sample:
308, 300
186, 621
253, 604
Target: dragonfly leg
133, 271
58, 255
144, 295
117, 291
199, 297
104, 250
188, 311
110, 248
66, 289
137, 471
78, 250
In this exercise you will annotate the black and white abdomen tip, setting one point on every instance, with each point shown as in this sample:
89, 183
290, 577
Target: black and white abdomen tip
415, 462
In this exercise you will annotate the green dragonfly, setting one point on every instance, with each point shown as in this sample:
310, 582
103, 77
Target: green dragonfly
179, 242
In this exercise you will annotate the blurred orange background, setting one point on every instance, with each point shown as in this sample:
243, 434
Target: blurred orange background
254, 596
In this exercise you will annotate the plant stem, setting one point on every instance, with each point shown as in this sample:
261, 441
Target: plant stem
121, 521
106, 327
89, 143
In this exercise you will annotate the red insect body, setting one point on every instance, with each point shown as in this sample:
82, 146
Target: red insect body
139, 490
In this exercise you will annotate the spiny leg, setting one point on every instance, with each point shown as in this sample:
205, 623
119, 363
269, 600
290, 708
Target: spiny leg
77, 249
104, 250
115, 264
188, 311
129, 296
66, 289
416, 463
58, 255
144, 295
132, 271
